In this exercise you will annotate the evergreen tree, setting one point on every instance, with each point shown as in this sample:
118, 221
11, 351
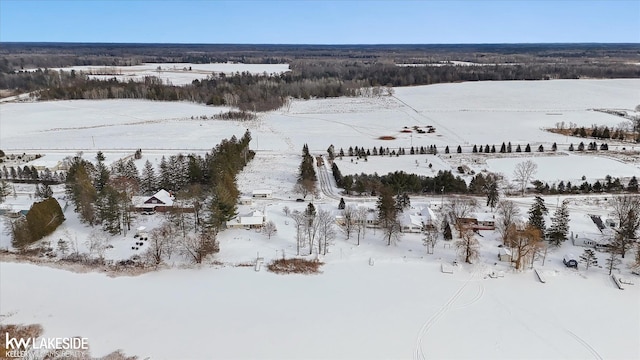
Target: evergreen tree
518, 149
341, 205
491, 191
475, 149
164, 178
108, 210
446, 149
509, 147
148, 182
402, 201
43, 191
589, 258
536, 214
446, 230
527, 148
559, 228
540, 148
5, 190
459, 151
102, 172
554, 147
633, 185
503, 148
41, 220
80, 189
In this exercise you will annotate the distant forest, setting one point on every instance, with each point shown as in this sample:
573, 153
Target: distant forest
317, 71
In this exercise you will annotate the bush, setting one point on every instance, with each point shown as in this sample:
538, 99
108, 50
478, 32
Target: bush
41, 220
295, 266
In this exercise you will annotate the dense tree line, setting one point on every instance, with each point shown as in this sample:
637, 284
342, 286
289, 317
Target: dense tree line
308, 78
609, 185
400, 182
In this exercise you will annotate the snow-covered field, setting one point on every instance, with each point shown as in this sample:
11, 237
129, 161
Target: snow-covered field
372, 300
175, 73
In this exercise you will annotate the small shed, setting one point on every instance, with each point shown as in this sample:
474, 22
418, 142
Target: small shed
504, 254
264, 194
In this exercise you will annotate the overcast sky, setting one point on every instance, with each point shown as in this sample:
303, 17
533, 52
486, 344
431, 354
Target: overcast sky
320, 22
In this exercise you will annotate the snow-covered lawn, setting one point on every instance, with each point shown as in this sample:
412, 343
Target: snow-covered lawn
390, 310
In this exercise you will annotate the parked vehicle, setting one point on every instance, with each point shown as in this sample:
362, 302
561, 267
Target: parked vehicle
570, 261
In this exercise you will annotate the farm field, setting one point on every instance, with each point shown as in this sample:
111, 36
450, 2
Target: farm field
175, 73
371, 300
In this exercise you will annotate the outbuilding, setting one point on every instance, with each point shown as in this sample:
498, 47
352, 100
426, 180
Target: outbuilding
263, 194
504, 254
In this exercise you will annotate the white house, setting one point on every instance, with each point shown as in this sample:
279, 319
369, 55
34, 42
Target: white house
263, 194
414, 219
486, 221
253, 220
594, 241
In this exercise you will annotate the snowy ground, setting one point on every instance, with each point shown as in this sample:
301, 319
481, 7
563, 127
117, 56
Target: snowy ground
175, 73
401, 306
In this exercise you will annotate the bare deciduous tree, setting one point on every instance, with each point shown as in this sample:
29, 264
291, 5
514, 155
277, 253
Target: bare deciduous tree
269, 229
458, 208
524, 244
348, 226
160, 244
198, 247
299, 220
627, 211
430, 239
523, 173
306, 187
508, 214
326, 230
286, 211
468, 246
96, 243
360, 219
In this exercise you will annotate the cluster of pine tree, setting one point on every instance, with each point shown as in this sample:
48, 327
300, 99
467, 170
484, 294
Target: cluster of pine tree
102, 195
307, 177
507, 148
592, 146
400, 182
361, 152
29, 174
609, 185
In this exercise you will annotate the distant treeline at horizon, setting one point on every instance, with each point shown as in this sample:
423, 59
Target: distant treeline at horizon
317, 71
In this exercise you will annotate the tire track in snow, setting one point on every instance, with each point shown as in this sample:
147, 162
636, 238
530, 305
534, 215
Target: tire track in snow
586, 345
477, 298
419, 352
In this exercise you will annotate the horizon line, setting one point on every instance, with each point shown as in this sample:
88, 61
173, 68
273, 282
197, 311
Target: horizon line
314, 44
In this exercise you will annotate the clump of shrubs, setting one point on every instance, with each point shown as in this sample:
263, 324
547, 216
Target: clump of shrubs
295, 266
